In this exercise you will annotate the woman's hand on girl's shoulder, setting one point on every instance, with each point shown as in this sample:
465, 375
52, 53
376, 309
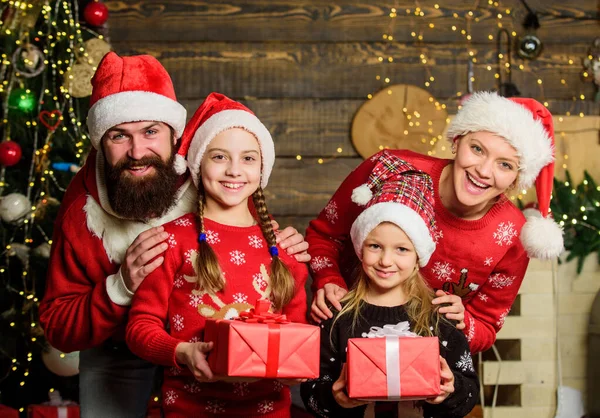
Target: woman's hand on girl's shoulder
447, 383
193, 355
292, 241
452, 307
331, 293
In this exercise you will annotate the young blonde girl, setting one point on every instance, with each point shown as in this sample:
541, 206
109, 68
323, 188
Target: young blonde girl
392, 237
220, 261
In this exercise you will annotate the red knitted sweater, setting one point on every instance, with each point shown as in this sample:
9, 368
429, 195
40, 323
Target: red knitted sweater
169, 296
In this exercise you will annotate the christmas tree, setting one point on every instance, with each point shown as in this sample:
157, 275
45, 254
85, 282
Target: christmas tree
577, 209
48, 58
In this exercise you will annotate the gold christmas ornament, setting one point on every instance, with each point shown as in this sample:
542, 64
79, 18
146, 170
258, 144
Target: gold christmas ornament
78, 80
96, 50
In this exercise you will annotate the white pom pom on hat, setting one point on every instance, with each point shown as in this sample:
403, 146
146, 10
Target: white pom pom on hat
362, 194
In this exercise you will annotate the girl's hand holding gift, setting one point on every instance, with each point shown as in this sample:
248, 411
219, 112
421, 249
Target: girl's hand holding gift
453, 308
341, 396
333, 293
193, 355
447, 384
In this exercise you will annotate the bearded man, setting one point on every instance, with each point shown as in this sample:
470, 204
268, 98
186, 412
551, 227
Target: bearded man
108, 235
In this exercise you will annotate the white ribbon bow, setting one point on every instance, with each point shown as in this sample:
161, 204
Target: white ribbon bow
401, 329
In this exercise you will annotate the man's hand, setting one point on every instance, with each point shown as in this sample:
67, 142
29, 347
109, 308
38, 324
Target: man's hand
447, 383
136, 265
319, 310
339, 392
193, 355
452, 307
292, 241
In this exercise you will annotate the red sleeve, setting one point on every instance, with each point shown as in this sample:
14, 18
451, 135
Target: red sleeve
330, 232
76, 312
146, 334
487, 309
296, 310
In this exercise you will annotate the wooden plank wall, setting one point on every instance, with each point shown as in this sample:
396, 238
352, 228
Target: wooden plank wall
305, 67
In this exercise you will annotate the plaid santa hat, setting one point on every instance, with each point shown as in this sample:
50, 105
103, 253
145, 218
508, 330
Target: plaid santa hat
527, 126
217, 114
132, 89
396, 192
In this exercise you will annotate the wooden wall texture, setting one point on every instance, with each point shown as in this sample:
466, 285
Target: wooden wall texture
305, 67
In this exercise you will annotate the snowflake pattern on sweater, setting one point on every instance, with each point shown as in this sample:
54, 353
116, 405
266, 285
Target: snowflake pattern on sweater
331, 212
171, 295
487, 247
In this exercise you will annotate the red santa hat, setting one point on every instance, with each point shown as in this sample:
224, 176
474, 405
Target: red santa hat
217, 114
132, 89
396, 192
527, 126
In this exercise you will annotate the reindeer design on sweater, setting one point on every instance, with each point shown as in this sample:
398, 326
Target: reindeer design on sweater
461, 288
260, 282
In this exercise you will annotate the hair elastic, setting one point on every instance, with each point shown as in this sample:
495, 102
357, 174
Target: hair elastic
201, 237
274, 251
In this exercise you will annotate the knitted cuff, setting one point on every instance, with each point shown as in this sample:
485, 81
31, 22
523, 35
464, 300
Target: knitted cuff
117, 291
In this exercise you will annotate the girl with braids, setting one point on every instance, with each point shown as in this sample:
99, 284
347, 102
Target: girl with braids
392, 237
220, 261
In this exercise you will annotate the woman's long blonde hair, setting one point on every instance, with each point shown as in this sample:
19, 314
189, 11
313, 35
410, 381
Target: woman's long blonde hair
210, 276
421, 312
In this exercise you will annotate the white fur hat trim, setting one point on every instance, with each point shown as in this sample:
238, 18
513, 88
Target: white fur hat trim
133, 106
228, 119
407, 219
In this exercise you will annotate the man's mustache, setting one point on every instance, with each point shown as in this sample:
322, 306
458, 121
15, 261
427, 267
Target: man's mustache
130, 163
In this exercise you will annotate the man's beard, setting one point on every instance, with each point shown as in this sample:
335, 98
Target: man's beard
145, 197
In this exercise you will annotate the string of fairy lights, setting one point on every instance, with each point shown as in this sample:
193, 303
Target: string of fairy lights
61, 44
423, 21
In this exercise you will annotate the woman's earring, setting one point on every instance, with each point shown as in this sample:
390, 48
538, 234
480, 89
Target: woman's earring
453, 148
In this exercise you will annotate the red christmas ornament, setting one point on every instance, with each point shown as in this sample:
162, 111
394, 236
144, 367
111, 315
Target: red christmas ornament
10, 153
95, 13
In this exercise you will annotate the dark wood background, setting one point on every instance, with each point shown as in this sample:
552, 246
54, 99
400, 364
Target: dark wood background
305, 67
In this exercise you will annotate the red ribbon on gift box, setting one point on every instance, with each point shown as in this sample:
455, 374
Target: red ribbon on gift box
260, 314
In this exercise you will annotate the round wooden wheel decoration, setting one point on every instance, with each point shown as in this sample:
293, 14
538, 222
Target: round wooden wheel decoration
401, 116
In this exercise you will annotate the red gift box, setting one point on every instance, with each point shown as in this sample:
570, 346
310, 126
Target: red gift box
50, 411
6, 412
393, 368
261, 344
